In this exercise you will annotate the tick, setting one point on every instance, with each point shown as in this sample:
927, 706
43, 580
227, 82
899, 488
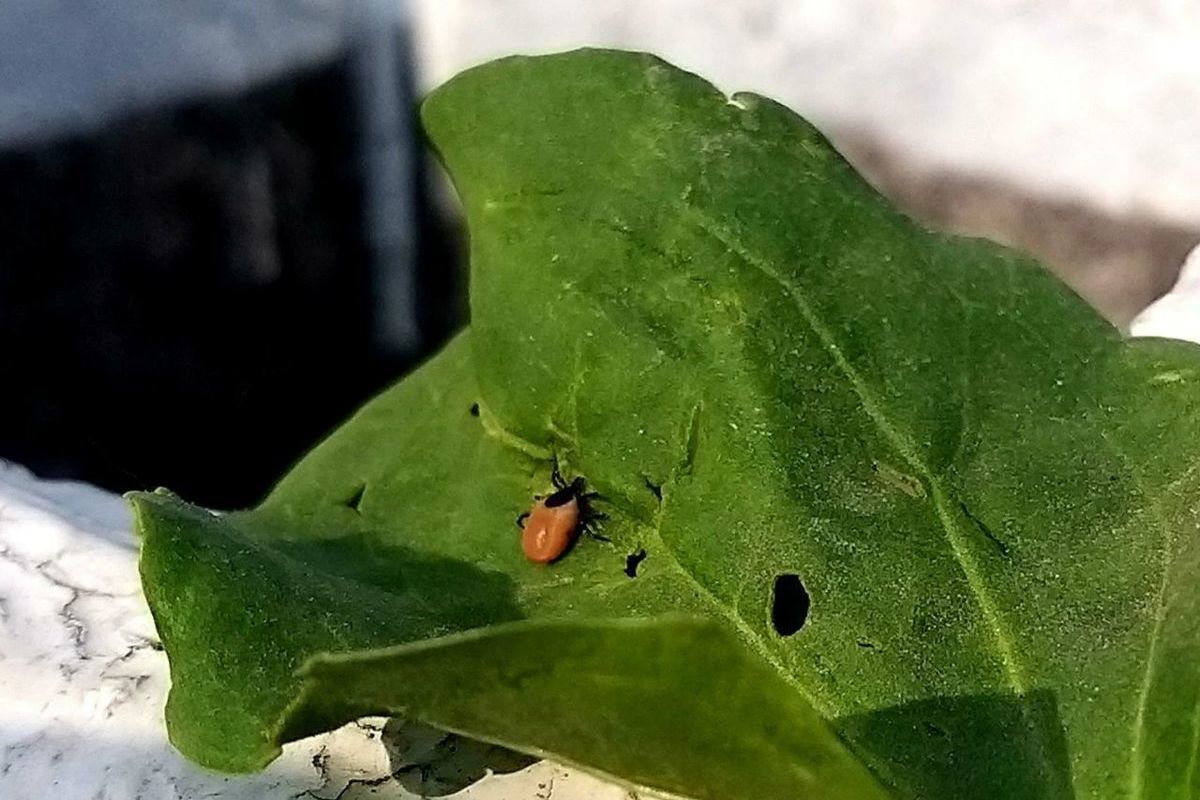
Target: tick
550, 528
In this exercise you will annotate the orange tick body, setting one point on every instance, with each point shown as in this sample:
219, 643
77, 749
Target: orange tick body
549, 530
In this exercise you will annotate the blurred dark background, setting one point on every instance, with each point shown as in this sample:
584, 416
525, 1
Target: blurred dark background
211, 220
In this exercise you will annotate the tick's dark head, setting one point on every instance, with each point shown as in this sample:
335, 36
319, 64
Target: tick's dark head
566, 494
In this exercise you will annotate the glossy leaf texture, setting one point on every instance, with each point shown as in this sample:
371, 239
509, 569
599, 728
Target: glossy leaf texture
984, 493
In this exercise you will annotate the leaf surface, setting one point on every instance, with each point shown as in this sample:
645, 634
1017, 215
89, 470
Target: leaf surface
773, 379
250, 605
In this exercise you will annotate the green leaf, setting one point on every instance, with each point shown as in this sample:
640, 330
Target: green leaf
766, 371
243, 601
587, 692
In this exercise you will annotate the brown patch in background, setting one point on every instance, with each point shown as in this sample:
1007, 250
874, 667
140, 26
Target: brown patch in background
1118, 263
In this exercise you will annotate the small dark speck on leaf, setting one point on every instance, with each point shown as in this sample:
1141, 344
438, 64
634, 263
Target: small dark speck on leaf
866, 645
474, 409
633, 561
789, 604
355, 500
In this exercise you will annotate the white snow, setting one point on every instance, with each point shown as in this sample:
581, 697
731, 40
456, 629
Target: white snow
1176, 315
1092, 100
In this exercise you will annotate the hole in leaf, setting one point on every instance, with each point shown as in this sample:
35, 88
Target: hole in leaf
789, 605
633, 561
474, 409
865, 645
355, 500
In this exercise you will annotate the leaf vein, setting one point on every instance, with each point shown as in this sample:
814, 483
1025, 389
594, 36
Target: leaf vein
955, 536
1137, 787
1189, 774
823, 706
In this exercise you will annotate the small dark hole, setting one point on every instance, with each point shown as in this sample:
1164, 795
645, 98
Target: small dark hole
655, 488
866, 645
474, 409
633, 561
355, 500
789, 607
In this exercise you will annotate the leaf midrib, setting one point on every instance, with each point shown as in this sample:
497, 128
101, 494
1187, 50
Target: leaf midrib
1002, 639
956, 538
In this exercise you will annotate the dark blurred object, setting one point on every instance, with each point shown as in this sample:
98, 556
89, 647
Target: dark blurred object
208, 236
